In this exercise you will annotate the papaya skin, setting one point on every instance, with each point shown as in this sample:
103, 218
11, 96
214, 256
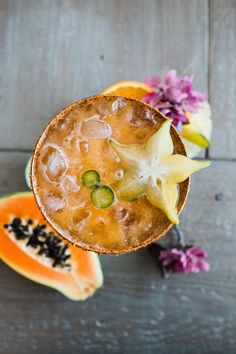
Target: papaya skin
77, 284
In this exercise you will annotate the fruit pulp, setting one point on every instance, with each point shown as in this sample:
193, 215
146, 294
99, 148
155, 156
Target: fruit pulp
78, 140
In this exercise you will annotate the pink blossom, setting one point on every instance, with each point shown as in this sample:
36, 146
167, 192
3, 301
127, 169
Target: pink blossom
153, 81
189, 259
174, 97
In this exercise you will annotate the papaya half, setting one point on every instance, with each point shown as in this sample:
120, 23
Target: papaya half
31, 247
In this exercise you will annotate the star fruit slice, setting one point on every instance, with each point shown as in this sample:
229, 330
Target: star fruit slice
152, 170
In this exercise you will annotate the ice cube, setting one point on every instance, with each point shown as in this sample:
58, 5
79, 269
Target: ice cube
83, 145
130, 220
74, 201
53, 162
104, 110
150, 116
54, 203
72, 140
69, 184
80, 219
137, 119
125, 114
95, 128
119, 103
131, 115
120, 215
94, 116
65, 123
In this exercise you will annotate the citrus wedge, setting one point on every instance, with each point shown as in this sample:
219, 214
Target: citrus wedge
133, 89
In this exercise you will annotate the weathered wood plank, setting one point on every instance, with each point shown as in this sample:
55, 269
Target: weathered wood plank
222, 74
12, 175
136, 311
54, 52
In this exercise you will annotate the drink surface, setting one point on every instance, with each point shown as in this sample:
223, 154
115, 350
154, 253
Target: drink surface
78, 140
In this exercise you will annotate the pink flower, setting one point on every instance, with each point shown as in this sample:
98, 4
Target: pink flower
153, 81
174, 97
189, 259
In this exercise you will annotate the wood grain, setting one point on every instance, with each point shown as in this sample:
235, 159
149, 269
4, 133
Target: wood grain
222, 77
54, 52
136, 311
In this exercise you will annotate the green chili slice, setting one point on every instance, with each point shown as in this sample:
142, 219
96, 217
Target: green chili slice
102, 196
90, 178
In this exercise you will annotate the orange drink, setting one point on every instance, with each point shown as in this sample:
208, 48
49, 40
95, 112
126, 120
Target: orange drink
93, 178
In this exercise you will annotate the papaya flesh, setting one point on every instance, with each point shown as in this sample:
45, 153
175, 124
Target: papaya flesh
31, 247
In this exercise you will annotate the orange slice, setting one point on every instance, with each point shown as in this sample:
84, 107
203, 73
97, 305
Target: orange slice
130, 89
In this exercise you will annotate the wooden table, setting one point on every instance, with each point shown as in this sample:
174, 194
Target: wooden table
54, 52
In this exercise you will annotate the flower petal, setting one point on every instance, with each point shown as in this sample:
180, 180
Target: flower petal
203, 265
178, 167
196, 251
147, 98
179, 92
175, 94
170, 77
199, 96
155, 100
153, 81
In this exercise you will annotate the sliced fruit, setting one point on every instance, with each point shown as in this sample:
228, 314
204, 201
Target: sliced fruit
197, 134
30, 247
133, 89
153, 170
27, 173
90, 178
194, 137
102, 197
